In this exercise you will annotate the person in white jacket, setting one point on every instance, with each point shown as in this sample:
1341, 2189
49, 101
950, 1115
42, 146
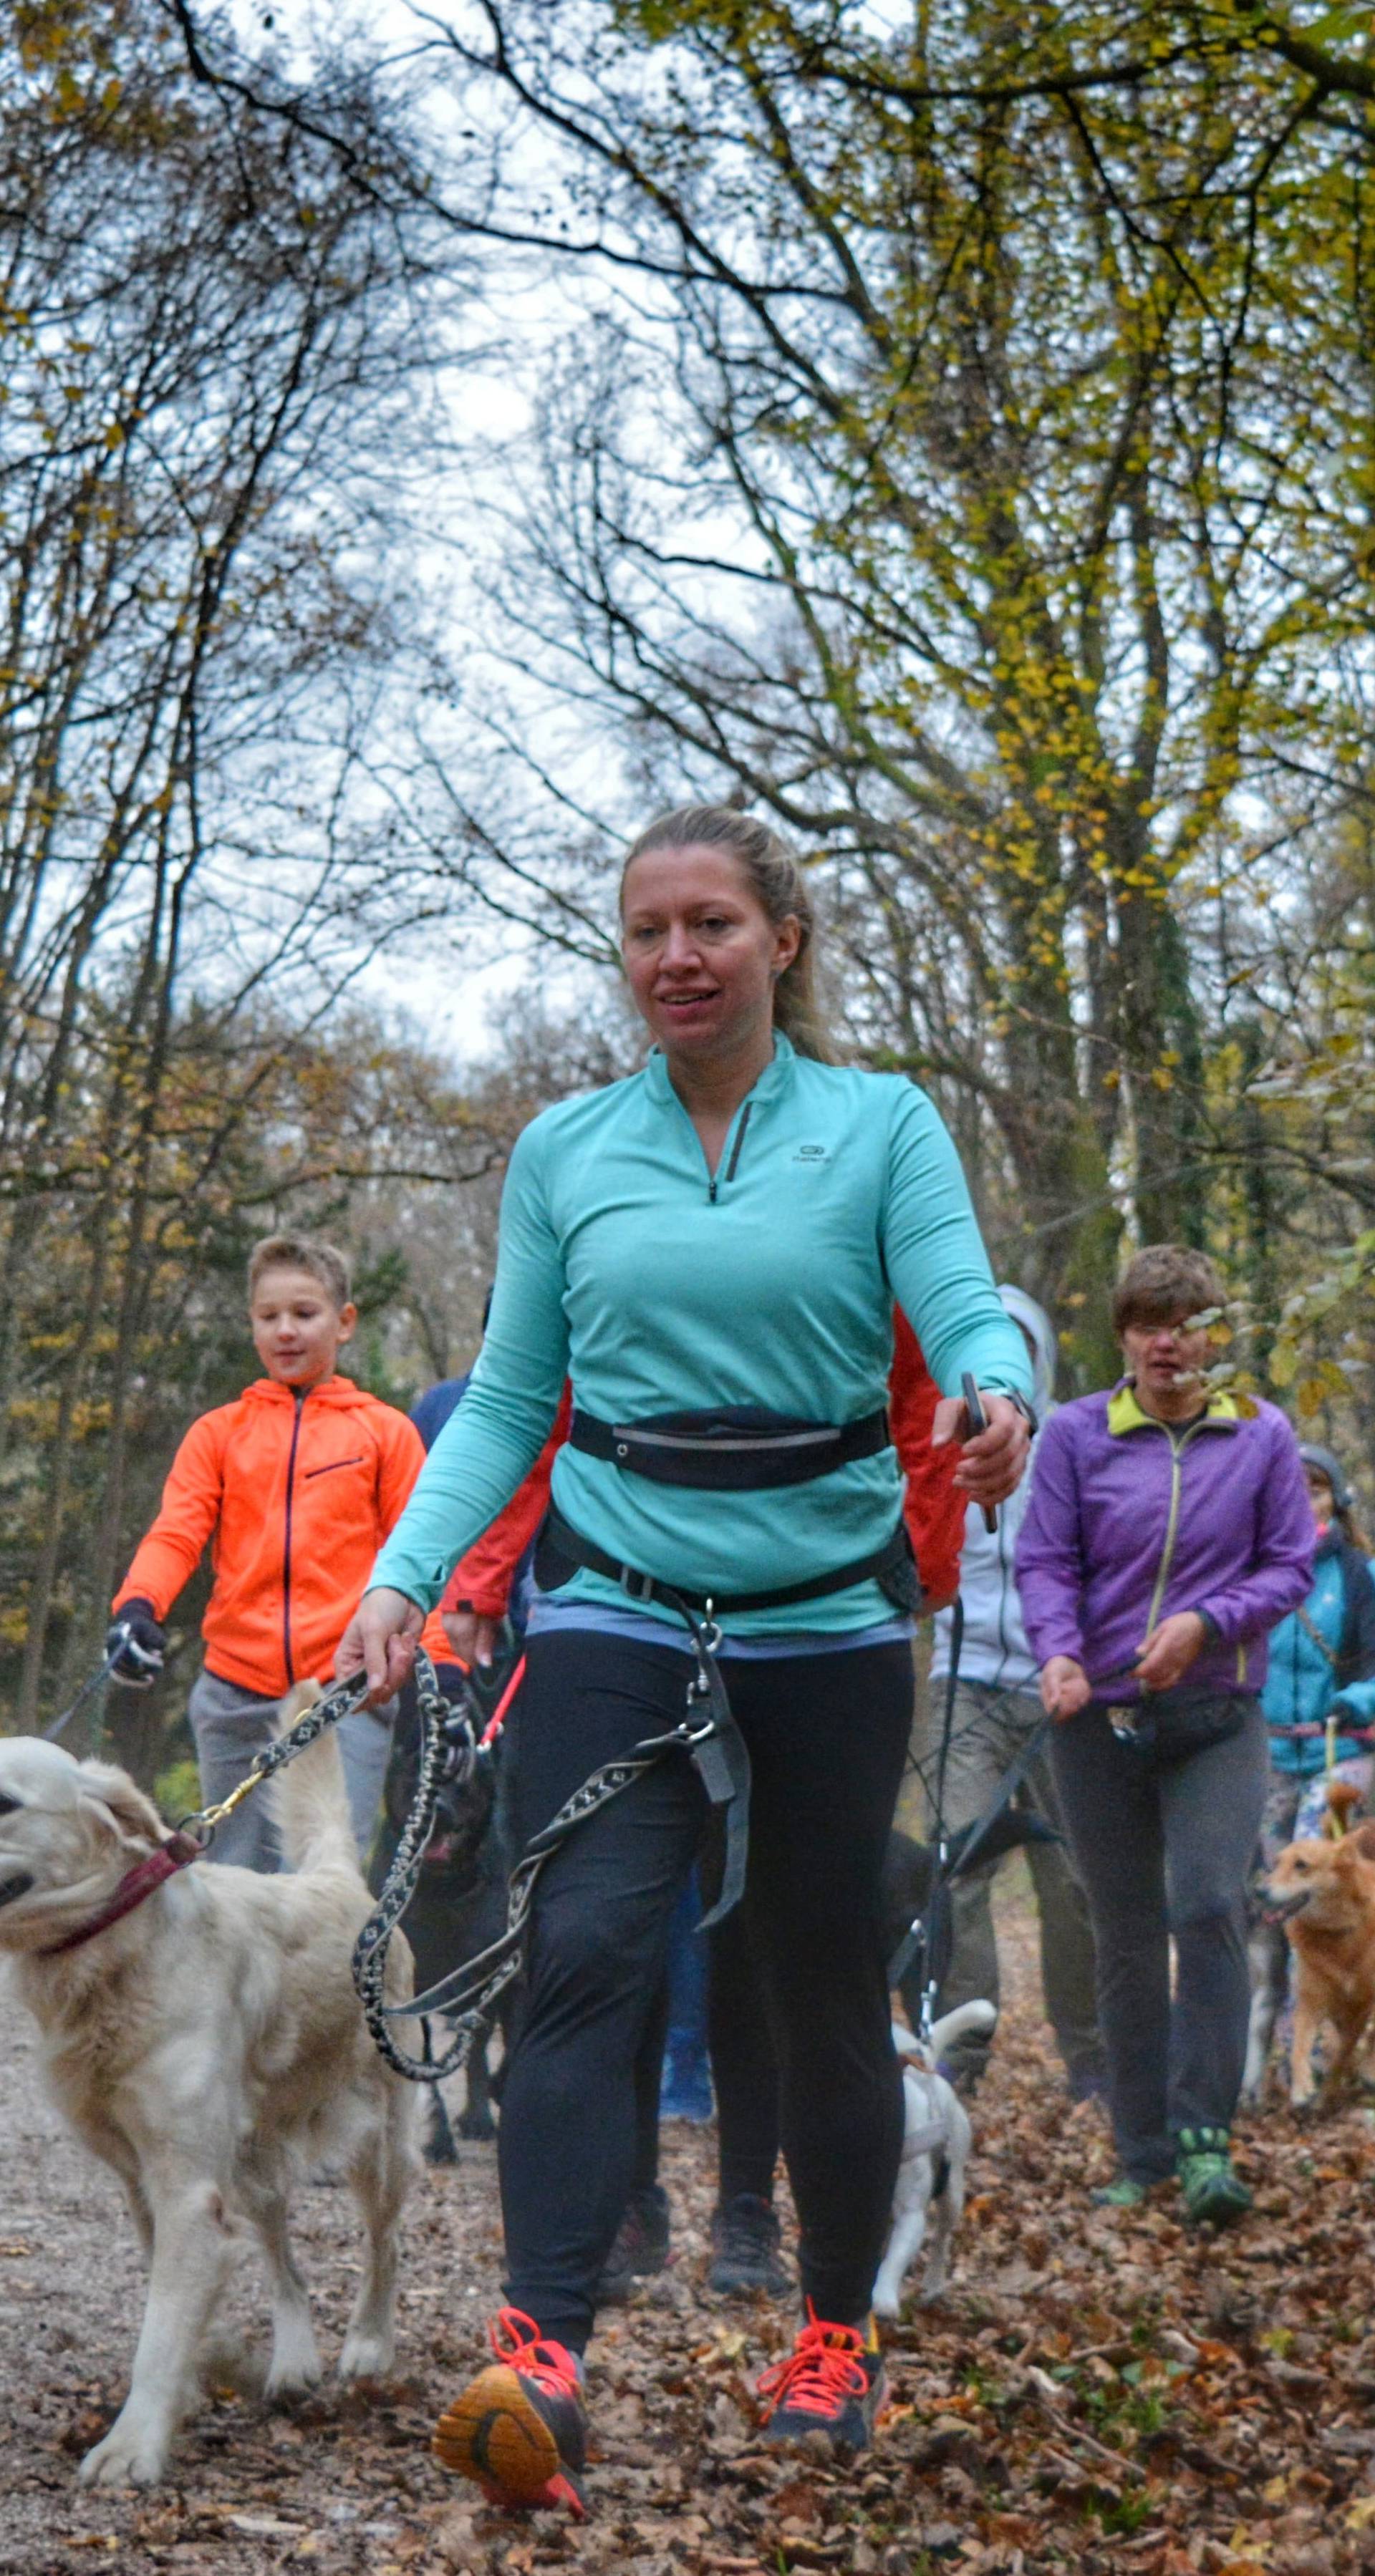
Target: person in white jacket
997, 1707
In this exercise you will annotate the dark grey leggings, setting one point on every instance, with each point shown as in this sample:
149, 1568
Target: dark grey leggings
1164, 1853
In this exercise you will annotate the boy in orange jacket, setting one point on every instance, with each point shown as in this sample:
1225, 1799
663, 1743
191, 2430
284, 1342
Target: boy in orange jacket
296, 1484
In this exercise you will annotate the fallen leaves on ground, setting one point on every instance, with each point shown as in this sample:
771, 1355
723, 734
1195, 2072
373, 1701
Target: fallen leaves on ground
1099, 2391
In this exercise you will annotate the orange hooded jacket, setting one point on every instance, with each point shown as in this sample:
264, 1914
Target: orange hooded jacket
933, 1508
296, 1494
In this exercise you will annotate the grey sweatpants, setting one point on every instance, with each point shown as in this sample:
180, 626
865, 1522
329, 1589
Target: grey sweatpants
1165, 1854
989, 1730
230, 1725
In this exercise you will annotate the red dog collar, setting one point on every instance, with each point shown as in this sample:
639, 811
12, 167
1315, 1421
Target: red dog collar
173, 1855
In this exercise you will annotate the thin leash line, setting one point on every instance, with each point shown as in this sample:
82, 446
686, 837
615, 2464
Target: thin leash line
921, 1930
88, 1687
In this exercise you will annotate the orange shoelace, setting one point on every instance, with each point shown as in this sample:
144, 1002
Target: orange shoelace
825, 2366
516, 2340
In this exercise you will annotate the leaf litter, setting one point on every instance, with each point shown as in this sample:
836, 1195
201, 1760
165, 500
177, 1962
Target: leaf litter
1098, 2391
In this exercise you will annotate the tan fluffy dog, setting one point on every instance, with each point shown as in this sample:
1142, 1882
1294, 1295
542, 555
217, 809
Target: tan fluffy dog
210, 2047
1324, 1894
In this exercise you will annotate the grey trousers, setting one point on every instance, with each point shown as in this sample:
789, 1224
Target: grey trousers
990, 1728
1165, 1854
230, 1725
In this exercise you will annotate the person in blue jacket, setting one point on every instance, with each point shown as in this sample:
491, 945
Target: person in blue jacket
710, 1249
1322, 1663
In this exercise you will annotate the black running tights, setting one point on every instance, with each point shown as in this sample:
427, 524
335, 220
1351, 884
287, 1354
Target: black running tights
827, 1736
744, 2071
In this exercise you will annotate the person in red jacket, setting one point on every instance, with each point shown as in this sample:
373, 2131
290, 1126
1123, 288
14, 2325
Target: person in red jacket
745, 2230
295, 1484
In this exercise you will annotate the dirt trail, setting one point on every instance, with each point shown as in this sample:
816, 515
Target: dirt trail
1100, 2393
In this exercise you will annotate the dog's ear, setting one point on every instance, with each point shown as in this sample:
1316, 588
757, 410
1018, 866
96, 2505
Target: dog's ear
134, 1815
1362, 1838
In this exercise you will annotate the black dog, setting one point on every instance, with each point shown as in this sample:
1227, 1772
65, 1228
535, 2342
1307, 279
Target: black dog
459, 1906
909, 1884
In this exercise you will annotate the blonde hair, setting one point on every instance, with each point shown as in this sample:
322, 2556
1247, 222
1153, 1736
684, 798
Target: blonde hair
305, 1252
779, 887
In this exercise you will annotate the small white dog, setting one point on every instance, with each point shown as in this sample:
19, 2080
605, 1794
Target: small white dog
208, 2045
935, 2152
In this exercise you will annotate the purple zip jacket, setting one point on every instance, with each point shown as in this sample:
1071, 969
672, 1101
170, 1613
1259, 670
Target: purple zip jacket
1131, 1520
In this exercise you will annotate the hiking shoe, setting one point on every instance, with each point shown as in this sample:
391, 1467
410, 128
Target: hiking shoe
1213, 2190
833, 2382
640, 2247
744, 2248
1123, 2193
520, 2427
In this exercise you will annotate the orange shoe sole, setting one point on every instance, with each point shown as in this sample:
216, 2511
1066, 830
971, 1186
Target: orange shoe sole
495, 2434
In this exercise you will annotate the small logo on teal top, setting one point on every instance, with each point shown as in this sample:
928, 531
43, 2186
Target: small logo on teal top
811, 1154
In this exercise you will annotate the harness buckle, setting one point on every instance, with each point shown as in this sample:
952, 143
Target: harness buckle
641, 1587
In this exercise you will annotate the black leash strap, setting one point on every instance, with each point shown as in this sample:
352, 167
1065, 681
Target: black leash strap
1003, 1795
718, 1748
918, 1938
561, 1550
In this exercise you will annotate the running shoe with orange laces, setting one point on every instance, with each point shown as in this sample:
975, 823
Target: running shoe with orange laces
832, 2382
519, 2428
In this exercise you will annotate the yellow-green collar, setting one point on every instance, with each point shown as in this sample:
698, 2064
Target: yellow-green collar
1125, 1414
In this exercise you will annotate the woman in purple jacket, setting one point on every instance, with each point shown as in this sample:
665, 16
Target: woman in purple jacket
1168, 1531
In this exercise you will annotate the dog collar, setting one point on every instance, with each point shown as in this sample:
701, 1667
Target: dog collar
175, 1854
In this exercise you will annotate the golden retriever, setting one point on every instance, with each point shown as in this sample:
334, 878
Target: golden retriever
209, 2046
1324, 1894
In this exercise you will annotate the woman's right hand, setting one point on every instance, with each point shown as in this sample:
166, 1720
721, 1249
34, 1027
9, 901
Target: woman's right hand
472, 1636
1065, 1688
380, 1640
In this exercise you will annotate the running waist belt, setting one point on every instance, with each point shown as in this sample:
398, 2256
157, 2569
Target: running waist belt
732, 1448
561, 1550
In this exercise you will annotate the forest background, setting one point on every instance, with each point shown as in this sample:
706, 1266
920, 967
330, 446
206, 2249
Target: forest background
428, 448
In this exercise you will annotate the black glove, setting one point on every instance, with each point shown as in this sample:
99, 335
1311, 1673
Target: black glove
137, 1643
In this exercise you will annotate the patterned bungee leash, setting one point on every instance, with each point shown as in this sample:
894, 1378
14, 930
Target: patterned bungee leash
469, 1993
450, 1754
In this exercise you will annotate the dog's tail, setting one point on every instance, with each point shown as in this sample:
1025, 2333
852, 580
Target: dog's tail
309, 1800
953, 2025
1343, 1801
950, 2027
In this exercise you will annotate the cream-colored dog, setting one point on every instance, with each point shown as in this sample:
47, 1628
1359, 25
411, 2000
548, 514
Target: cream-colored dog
210, 2047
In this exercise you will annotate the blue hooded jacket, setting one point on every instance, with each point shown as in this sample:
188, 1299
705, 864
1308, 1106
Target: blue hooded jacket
1306, 1677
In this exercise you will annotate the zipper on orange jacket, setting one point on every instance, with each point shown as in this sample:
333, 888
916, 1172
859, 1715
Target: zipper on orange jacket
300, 1402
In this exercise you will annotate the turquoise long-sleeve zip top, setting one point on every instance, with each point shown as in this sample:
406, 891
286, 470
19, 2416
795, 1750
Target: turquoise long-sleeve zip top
660, 1288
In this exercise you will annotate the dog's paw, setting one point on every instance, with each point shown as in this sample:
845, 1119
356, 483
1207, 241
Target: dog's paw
294, 2373
477, 2126
367, 2356
295, 2365
886, 2302
130, 2456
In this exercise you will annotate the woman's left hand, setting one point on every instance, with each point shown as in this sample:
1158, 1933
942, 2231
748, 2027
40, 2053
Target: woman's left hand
991, 1466
1169, 1650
